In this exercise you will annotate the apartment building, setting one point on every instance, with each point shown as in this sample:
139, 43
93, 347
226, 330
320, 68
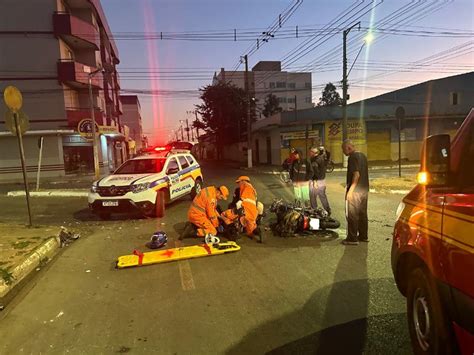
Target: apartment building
132, 117
292, 89
50, 55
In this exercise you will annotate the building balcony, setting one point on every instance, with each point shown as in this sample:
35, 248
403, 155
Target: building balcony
75, 32
76, 74
119, 107
76, 115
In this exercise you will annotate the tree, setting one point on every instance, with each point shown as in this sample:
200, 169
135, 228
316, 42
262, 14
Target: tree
330, 97
271, 105
223, 112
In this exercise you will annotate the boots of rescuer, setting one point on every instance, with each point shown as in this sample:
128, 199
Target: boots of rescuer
190, 231
257, 235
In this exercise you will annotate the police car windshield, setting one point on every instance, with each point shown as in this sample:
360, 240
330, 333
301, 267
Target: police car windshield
141, 166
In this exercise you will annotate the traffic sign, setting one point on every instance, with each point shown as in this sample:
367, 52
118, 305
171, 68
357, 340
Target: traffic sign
400, 115
22, 118
13, 98
85, 128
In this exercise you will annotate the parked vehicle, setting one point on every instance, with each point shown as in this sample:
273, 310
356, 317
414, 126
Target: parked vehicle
147, 183
433, 246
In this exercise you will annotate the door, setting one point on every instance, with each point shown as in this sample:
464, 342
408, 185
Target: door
378, 145
172, 170
269, 150
186, 182
458, 236
257, 152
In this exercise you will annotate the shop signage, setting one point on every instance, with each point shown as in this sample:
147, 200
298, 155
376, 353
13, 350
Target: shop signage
84, 128
355, 130
299, 135
108, 130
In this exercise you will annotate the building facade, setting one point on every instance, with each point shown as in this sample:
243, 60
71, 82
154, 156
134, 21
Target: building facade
432, 107
293, 90
50, 55
132, 117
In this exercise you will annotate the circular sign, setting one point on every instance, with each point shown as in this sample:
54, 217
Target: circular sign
13, 98
85, 128
23, 122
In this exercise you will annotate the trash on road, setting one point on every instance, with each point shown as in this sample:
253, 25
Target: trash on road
67, 237
155, 257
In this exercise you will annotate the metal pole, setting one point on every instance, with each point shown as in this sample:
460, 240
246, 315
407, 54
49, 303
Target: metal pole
23, 166
39, 163
249, 123
187, 129
94, 132
182, 133
399, 148
344, 85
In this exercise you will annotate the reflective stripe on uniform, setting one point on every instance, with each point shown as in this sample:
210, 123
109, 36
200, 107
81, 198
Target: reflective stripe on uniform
249, 200
199, 208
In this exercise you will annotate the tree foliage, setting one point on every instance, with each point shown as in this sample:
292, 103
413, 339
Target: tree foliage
330, 97
271, 105
224, 112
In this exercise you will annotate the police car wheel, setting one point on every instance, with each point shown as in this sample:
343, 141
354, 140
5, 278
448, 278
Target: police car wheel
160, 203
197, 188
426, 317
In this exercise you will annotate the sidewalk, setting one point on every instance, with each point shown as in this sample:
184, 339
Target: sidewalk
22, 250
57, 183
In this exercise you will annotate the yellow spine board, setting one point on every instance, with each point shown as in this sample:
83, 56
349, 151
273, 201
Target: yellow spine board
174, 254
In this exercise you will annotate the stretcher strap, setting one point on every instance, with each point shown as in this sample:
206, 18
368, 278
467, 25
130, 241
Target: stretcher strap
140, 256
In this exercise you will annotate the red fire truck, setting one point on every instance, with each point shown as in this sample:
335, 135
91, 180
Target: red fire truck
433, 246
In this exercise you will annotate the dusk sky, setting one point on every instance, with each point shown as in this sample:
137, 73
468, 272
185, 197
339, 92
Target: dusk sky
191, 64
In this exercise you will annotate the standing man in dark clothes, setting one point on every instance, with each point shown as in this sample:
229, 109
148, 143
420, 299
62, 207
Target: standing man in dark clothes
299, 175
357, 191
317, 183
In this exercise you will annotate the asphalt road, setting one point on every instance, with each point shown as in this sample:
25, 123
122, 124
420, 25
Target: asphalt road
301, 295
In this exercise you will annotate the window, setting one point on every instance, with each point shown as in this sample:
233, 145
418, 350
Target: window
307, 85
454, 98
183, 162
307, 100
272, 85
190, 159
282, 100
173, 167
290, 100
280, 84
291, 85
141, 166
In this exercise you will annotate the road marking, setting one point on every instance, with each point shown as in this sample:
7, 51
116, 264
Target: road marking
185, 273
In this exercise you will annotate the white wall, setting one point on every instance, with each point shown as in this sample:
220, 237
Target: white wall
52, 162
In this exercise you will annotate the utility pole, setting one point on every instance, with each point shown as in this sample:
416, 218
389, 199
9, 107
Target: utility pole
187, 129
344, 79
94, 128
182, 133
249, 123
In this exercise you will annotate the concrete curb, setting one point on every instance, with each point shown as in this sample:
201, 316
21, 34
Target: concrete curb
395, 192
44, 253
51, 193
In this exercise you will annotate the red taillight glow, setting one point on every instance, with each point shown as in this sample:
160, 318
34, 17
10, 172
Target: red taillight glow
160, 149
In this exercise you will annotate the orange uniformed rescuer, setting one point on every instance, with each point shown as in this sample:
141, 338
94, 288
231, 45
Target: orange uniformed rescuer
203, 211
248, 196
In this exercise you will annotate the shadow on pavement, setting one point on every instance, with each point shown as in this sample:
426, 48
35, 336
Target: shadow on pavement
334, 319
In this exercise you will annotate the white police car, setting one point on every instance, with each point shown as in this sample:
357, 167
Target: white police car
147, 184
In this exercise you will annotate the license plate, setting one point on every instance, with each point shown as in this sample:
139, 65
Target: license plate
110, 203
